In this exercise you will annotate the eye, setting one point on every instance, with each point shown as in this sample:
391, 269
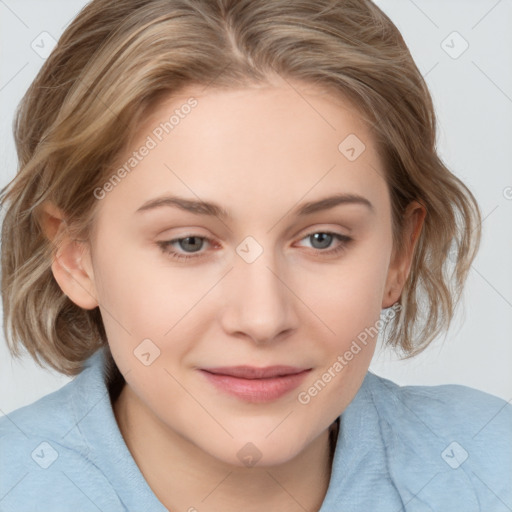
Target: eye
323, 239
192, 244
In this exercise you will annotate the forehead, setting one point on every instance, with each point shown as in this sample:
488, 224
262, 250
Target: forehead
251, 148
270, 104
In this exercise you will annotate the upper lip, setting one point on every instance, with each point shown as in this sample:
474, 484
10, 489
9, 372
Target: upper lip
253, 372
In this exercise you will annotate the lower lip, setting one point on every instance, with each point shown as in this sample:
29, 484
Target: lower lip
256, 390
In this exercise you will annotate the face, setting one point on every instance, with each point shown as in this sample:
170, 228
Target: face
197, 300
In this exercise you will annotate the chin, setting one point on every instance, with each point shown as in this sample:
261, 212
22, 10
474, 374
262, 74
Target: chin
257, 450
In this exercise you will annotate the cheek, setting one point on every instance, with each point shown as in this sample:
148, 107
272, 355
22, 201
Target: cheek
141, 297
348, 296
349, 307
136, 286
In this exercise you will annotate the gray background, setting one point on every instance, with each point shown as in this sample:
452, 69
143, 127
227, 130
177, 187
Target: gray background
473, 99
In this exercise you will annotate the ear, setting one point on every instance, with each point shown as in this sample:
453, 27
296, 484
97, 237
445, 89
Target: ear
401, 262
71, 265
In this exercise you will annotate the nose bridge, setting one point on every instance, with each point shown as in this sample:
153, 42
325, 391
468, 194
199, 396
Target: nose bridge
259, 302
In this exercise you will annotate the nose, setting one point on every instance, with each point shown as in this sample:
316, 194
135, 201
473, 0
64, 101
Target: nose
259, 303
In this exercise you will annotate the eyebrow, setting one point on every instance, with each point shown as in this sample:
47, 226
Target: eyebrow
213, 209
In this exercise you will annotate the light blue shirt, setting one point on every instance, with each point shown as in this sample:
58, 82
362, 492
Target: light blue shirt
400, 448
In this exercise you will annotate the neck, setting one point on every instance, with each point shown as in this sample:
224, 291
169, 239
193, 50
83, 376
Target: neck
184, 477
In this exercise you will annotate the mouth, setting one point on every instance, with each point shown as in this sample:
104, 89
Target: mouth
253, 372
253, 384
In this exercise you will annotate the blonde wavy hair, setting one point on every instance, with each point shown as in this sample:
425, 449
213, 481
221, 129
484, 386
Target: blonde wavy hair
117, 60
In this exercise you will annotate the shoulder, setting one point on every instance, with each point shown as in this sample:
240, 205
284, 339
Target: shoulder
44, 459
49, 416
458, 435
448, 408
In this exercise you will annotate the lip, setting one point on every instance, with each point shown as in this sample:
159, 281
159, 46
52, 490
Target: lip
256, 385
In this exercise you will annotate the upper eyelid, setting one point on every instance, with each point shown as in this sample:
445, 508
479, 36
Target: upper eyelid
306, 232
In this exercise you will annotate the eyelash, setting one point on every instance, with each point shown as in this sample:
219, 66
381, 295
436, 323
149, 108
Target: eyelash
164, 246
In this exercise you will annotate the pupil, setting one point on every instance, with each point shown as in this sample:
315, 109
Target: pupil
184, 242
321, 236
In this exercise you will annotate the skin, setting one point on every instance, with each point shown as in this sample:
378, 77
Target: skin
260, 152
